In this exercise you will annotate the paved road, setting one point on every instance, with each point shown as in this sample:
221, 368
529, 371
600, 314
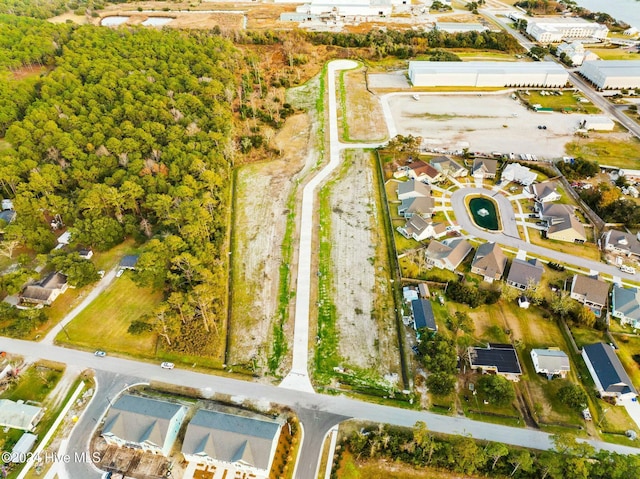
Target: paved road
93, 294
298, 377
506, 211
299, 401
507, 215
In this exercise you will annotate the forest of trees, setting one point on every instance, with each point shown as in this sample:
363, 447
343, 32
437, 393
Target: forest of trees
50, 8
570, 459
130, 136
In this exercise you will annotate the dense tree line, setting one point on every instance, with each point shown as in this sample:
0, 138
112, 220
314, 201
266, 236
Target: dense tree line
50, 8
609, 204
401, 44
570, 459
578, 168
130, 137
471, 294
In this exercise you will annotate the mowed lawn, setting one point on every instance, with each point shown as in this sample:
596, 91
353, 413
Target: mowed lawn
104, 323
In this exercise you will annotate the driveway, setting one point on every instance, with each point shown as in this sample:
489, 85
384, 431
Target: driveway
514, 241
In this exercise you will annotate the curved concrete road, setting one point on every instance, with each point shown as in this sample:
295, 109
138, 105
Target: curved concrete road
506, 211
298, 377
507, 215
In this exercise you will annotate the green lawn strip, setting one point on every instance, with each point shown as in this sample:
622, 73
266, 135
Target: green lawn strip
628, 347
568, 101
585, 336
615, 53
623, 154
586, 250
104, 323
344, 119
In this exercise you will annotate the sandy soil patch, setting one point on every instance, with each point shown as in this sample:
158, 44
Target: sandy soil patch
364, 113
362, 297
259, 224
483, 122
79, 19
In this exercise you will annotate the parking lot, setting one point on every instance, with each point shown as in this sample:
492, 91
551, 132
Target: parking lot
483, 122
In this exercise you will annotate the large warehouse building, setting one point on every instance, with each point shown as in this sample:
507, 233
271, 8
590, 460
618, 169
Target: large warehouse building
612, 74
556, 29
490, 74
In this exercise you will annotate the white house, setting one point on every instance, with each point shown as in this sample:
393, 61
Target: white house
420, 229
544, 192
551, 362
519, 174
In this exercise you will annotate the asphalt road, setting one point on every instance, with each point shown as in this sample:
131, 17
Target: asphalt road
327, 409
506, 211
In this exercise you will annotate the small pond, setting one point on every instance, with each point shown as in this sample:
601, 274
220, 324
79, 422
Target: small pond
113, 21
156, 21
484, 213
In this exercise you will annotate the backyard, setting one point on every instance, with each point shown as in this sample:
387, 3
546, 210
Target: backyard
613, 152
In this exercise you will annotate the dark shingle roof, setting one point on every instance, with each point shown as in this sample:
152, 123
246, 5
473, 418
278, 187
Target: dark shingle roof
423, 314
129, 261
608, 368
522, 272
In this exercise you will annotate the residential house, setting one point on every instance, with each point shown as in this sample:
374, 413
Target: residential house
18, 415
45, 291
448, 167
413, 189
142, 423
562, 224
501, 359
7, 216
544, 192
245, 443
622, 243
519, 174
419, 229
489, 262
420, 206
447, 254
523, 273
22, 448
625, 305
129, 261
423, 289
591, 292
484, 168
551, 362
607, 372
409, 293
85, 253
423, 317
421, 171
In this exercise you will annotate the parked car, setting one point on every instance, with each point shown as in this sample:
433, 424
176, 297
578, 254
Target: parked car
541, 223
100, 354
166, 365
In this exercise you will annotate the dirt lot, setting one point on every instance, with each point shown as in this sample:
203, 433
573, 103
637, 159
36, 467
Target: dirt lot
362, 297
363, 109
262, 191
483, 122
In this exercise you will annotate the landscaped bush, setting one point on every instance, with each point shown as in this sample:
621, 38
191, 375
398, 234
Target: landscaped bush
474, 297
573, 396
496, 389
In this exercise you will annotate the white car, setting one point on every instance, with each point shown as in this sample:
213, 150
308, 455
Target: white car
166, 365
119, 273
100, 354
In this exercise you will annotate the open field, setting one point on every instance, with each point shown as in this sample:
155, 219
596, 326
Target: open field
586, 250
262, 209
104, 323
568, 100
615, 53
607, 151
482, 122
359, 278
360, 111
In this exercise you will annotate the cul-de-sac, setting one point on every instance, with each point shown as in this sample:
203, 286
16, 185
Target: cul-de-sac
319, 239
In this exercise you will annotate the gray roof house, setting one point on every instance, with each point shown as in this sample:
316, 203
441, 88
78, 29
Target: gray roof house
489, 262
45, 291
447, 254
484, 168
544, 192
7, 216
423, 315
625, 305
129, 261
551, 362
247, 443
142, 423
522, 273
413, 189
607, 372
562, 223
447, 166
419, 229
18, 415
500, 359
621, 242
591, 292
421, 206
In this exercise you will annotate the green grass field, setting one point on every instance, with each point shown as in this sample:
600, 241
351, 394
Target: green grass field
625, 154
104, 323
567, 101
615, 53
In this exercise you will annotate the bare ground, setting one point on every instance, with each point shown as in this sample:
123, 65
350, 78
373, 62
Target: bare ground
260, 216
362, 296
364, 113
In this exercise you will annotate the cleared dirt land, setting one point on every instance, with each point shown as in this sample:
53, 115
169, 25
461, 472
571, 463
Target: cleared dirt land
260, 218
483, 122
363, 109
361, 287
